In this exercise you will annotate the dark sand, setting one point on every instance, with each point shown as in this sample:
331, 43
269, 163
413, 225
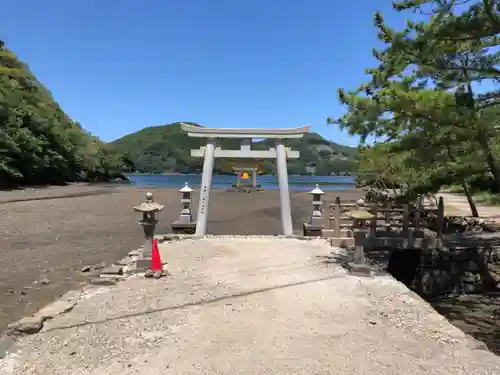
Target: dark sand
51, 233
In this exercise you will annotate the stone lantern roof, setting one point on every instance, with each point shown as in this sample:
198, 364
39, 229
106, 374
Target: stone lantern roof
316, 191
149, 205
360, 214
186, 189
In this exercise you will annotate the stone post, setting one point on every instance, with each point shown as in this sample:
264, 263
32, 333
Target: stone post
286, 212
148, 208
185, 224
315, 225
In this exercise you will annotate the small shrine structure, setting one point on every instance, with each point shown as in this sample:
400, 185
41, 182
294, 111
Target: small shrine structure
241, 181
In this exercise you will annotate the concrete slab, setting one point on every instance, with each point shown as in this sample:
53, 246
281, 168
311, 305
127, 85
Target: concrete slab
250, 306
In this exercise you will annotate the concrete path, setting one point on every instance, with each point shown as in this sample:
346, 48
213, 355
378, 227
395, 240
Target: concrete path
250, 306
456, 204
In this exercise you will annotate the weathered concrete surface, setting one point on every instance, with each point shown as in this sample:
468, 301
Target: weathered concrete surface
250, 306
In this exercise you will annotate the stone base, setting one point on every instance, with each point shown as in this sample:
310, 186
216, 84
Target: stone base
183, 228
143, 264
310, 230
359, 269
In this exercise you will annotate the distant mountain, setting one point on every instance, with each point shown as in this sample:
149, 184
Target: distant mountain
166, 148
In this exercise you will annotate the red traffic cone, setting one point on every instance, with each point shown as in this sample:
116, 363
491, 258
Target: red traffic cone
155, 258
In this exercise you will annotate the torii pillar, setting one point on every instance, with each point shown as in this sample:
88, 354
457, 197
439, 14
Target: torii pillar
209, 152
282, 171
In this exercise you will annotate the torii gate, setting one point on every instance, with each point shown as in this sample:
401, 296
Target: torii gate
209, 152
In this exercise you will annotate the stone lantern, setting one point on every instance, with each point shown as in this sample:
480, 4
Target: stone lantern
185, 224
148, 208
315, 225
360, 217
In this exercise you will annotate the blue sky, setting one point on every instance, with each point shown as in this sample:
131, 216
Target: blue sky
119, 66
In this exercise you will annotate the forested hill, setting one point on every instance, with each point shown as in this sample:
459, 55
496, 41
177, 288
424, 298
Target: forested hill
39, 143
167, 149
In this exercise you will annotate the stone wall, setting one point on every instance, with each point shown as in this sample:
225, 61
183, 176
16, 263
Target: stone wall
437, 272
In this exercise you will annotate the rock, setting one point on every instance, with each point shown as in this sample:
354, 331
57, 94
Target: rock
171, 237
125, 261
103, 281
470, 288
28, 325
44, 281
129, 268
58, 307
135, 253
72, 295
471, 277
113, 270
148, 273
93, 268
474, 344
157, 274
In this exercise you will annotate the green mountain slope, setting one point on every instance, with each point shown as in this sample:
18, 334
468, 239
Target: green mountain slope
167, 148
39, 143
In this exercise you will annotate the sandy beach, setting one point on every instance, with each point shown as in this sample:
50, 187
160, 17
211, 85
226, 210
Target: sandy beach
49, 234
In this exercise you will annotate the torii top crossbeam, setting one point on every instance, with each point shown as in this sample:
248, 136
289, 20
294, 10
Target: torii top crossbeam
289, 133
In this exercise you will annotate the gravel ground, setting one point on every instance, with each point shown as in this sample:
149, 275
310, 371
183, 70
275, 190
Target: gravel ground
250, 306
49, 234
458, 205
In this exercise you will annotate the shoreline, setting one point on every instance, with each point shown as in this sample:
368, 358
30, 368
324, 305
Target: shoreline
83, 189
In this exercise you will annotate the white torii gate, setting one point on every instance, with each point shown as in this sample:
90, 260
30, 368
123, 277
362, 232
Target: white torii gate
209, 152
